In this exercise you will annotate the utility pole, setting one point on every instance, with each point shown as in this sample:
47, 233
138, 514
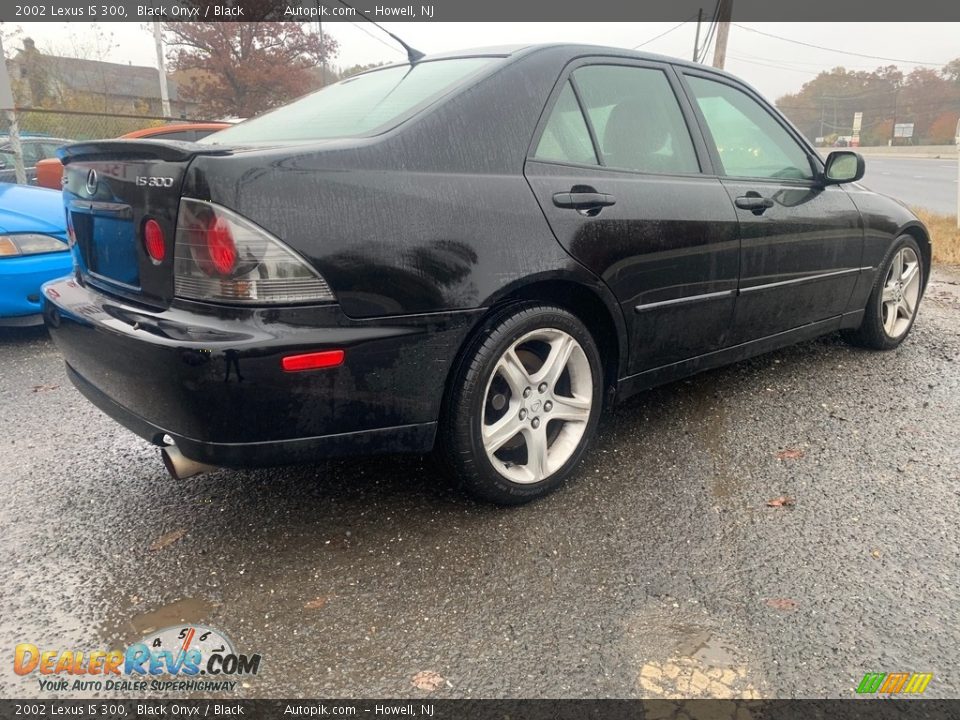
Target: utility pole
161, 68
323, 60
8, 105
724, 13
696, 39
956, 139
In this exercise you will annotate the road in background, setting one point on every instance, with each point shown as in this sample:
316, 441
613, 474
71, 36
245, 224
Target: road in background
920, 182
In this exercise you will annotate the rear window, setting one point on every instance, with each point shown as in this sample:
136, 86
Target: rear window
355, 106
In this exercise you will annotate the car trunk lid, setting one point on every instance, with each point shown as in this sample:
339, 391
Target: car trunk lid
110, 190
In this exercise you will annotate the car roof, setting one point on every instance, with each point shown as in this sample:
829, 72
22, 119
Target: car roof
573, 50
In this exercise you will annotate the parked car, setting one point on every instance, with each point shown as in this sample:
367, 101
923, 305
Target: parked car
35, 149
33, 250
474, 254
49, 171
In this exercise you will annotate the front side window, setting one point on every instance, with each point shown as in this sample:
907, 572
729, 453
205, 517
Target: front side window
750, 141
636, 119
356, 106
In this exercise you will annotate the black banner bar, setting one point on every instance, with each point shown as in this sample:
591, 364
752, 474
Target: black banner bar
474, 11
426, 709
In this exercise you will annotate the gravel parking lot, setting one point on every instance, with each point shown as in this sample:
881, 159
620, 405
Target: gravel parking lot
663, 571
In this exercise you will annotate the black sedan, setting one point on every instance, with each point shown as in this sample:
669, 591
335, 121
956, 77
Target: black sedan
472, 253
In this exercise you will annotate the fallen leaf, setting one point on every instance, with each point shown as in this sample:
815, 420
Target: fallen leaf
316, 604
44, 388
782, 603
167, 539
790, 454
875, 553
428, 681
782, 501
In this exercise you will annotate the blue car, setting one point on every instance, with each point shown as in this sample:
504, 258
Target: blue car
33, 249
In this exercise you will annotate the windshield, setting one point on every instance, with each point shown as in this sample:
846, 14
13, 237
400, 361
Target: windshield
355, 106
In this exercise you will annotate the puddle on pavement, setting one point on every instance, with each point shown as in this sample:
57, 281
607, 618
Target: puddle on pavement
702, 646
133, 627
710, 413
687, 660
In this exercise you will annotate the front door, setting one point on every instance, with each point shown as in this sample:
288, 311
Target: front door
801, 241
622, 182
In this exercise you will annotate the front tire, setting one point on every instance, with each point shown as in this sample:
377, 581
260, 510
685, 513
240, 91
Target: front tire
894, 300
524, 404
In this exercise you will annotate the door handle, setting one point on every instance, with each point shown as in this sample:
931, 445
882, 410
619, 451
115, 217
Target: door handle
584, 201
753, 202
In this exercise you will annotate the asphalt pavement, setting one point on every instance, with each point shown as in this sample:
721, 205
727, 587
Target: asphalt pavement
776, 528
929, 183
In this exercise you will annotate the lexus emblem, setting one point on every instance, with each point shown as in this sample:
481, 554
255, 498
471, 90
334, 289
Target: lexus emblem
92, 182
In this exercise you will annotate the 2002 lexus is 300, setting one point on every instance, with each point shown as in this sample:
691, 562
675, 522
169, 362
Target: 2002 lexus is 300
473, 252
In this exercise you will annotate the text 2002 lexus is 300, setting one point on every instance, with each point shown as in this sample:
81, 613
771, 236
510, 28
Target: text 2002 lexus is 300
474, 253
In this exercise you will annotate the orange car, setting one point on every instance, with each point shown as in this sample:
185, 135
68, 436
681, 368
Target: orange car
50, 171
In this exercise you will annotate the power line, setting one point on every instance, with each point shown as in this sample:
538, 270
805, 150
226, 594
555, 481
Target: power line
378, 39
657, 37
843, 52
711, 31
771, 65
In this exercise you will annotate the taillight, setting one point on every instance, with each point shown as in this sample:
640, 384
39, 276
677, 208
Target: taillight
221, 256
154, 241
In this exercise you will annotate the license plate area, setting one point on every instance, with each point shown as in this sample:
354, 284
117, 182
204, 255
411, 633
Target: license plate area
108, 243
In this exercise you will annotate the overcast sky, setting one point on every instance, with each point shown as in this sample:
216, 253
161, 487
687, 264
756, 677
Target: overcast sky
772, 65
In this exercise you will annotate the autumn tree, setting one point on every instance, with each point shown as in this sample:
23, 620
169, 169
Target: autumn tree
825, 106
243, 69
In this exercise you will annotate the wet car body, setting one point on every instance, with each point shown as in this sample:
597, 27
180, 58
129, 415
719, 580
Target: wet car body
422, 230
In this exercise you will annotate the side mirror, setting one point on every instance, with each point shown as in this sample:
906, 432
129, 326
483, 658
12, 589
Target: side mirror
843, 166
3, 165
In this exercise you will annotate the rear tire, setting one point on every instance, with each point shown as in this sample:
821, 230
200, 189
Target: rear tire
523, 406
894, 300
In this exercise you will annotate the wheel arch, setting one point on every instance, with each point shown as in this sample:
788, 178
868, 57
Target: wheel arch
918, 232
588, 300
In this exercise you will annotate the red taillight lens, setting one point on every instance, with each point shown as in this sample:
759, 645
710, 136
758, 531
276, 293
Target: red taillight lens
221, 256
220, 245
154, 241
312, 361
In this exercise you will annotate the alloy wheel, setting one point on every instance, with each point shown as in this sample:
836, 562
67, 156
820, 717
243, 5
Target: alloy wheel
901, 293
536, 405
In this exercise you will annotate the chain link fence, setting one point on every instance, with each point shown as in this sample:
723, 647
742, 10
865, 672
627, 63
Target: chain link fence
83, 125
41, 131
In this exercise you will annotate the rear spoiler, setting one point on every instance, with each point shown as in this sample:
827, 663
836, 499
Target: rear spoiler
145, 149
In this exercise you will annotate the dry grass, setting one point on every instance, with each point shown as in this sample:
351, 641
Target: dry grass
944, 234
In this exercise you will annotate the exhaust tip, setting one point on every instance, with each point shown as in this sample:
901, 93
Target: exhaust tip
180, 467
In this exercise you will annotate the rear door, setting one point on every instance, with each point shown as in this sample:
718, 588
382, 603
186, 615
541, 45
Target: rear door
801, 241
628, 190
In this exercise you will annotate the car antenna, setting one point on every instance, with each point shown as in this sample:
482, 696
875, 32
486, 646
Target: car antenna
413, 55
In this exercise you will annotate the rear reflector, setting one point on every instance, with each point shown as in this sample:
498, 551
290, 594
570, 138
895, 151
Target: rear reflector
313, 361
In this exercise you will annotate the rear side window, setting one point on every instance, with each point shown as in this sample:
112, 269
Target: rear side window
636, 119
566, 137
356, 106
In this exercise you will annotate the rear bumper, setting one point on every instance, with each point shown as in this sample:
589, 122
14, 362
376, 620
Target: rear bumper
20, 281
211, 378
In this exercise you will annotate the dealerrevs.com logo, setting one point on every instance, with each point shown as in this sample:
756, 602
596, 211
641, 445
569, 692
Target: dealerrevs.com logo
898, 683
186, 659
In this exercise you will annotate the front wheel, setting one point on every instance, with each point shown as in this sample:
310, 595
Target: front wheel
524, 405
895, 299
